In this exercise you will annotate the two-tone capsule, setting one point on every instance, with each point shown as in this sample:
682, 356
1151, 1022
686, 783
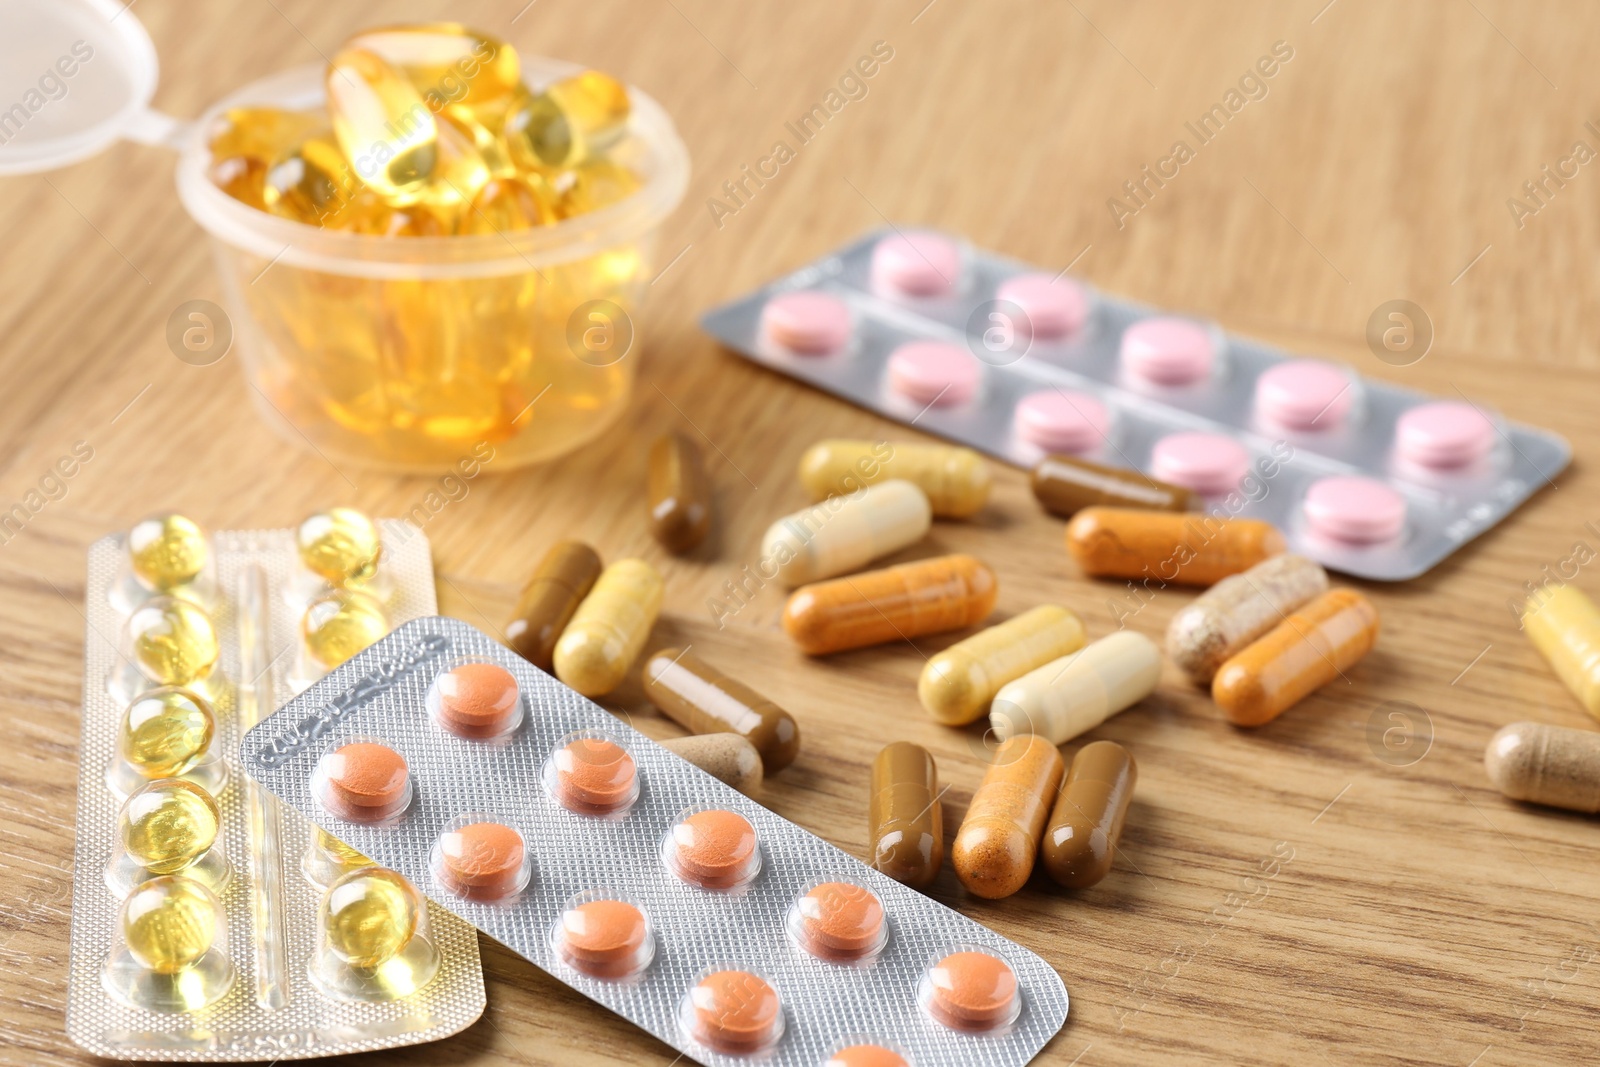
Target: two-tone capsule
550, 599
997, 844
957, 685
1550, 765
844, 534
1074, 694
1065, 486
610, 627
1080, 840
703, 700
1564, 625
905, 818
901, 602
1239, 609
1168, 547
1300, 655
955, 479
679, 492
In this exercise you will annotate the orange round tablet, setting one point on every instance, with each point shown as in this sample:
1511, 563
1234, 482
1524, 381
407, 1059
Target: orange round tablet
476, 700
605, 938
365, 781
866, 1056
594, 776
735, 1011
481, 861
972, 991
839, 920
715, 849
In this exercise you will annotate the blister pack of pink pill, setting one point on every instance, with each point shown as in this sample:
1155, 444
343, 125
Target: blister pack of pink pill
632, 876
1367, 478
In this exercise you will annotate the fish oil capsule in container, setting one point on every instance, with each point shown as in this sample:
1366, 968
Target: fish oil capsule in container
549, 600
970, 990
339, 624
591, 774
728, 758
999, 839
680, 493
311, 183
449, 64
703, 700
896, 603
1239, 609
713, 849
373, 940
383, 127
570, 121
1080, 840
905, 818
838, 921
1078, 692
1064, 486
609, 628
737, 1013
1300, 655
592, 185
955, 480
1543, 764
166, 732
478, 858
167, 551
1564, 625
511, 203
172, 641
341, 546
603, 936
957, 685
478, 701
171, 953
1182, 549
843, 534
362, 781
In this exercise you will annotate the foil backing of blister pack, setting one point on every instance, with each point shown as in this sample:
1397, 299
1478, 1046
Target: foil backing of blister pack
238, 1027
380, 694
1445, 511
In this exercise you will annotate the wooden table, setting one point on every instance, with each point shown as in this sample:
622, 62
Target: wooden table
1413, 917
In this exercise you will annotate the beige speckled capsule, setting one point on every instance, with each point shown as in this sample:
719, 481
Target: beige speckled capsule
609, 628
1076, 693
957, 685
845, 533
728, 758
956, 479
999, 839
1544, 764
1239, 609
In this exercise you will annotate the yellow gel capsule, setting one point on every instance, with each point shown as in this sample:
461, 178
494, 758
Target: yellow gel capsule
165, 732
339, 624
170, 922
370, 213
383, 127
593, 185
242, 178
173, 641
339, 852
166, 551
846, 533
1564, 625
480, 127
369, 916
446, 62
610, 627
167, 824
957, 685
263, 134
312, 183
341, 546
571, 121
460, 173
956, 479
514, 203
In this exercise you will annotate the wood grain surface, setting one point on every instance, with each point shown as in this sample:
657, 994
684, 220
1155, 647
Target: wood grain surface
1304, 893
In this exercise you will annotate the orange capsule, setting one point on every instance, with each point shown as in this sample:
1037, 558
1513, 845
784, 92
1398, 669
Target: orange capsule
1302, 654
926, 597
999, 839
1168, 547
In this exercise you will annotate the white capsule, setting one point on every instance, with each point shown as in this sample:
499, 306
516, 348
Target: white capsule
1076, 693
845, 533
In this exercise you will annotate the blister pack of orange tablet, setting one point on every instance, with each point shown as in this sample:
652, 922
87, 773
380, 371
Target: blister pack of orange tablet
208, 921
729, 933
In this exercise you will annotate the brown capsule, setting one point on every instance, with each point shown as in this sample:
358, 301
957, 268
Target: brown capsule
905, 819
1543, 764
703, 700
1167, 547
926, 597
1080, 841
1303, 653
999, 839
728, 758
1065, 486
680, 493
565, 576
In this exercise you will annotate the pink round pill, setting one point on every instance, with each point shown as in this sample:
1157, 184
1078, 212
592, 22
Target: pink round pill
807, 321
932, 372
1356, 510
1167, 351
1208, 463
1061, 421
1055, 307
1304, 394
1444, 434
917, 264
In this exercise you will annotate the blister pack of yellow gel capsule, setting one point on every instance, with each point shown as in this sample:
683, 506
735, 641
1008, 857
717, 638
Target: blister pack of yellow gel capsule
209, 922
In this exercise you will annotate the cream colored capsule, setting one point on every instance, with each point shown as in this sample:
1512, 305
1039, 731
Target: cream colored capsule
1550, 765
844, 534
1565, 627
958, 684
956, 479
1239, 609
610, 627
1074, 694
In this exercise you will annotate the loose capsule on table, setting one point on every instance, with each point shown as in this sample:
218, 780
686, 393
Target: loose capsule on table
998, 841
1300, 655
1184, 549
1065, 486
1239, 609
610, 627
679, 492
1080, 840
843, 534
1564, 625
703, 700
955, 479
900, 602
1550, 765
904, 817
957, 685
1076, 693
550, 599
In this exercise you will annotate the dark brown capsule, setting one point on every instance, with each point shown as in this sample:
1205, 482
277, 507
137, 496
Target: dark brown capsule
565, 576
905, 820
703, 700
1065, 486
680, 493
1080, 841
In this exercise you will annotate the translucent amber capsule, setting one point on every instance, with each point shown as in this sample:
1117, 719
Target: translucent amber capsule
956, 480
447, 63
460, 172
369, 213
369, 916
167, 824
165, 732
1168, 547
341, 546
166, 551
1564, 625
327, 859
242, 178
339, 624
169, 923
593, 185
610, 627
957, 685
896, 603
1300, 655
843, 534
998, 841
1074, 694
569, 122
350, 858
385, 130
312, 183
263, 134
505, 205
481, 128
172, 641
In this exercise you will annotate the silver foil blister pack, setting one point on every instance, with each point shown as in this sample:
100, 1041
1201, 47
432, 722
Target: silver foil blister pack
1444, 508
272, 1010
382, 695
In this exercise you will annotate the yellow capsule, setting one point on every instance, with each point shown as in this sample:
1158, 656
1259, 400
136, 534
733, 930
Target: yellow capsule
846, 533
341, 546
369, 916
165, 732
957, 685
481, 127
170, 922
609, 628
263, 134
461, 172
446, 62
571, 121
168, 824
172, 641
383, 127
311, 183
339, 852
166, 551
1564, 625
341, 623
593, 185
956, 479
242, 178
370, 213
514, 203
